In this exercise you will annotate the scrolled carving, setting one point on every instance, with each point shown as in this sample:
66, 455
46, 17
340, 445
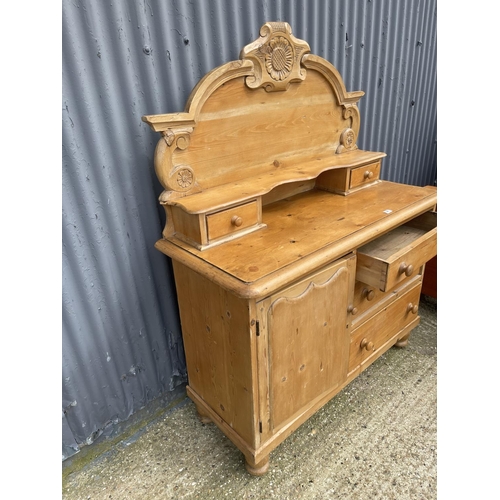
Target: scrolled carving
349, 136
276, 56
180, 177
351, 111
180, 136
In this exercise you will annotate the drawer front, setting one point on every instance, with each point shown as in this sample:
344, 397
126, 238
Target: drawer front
366, 296
369, 300
399, 254
232, 220
365, 174
371, 339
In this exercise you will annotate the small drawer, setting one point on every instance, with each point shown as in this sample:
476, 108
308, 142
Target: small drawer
232, 220
365, 297
380, 331
397, 255
369, 300
364, 175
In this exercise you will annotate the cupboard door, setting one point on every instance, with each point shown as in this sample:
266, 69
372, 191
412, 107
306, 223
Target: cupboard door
308, 339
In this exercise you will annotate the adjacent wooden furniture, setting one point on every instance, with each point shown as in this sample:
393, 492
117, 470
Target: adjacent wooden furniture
429, 284
296, 266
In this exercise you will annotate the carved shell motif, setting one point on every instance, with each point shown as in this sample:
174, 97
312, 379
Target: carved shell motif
279, 59
276, 56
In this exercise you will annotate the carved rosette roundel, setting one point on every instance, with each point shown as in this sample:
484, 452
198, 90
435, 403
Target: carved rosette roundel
347, 141
279, 60
184, 178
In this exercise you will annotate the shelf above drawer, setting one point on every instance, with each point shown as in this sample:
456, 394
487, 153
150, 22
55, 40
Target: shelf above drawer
398, 254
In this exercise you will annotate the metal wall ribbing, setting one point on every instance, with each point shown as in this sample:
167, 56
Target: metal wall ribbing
122, 346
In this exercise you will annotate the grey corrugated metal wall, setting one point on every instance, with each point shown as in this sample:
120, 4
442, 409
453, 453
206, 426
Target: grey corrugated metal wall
122, 346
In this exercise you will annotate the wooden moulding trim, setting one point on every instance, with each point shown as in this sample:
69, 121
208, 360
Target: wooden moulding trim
330, 72
283, 276
205, 87
245, 189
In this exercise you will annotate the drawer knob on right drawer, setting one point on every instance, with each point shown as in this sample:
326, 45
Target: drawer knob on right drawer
413, 308
353, 310
406, 268
368, 294
236, 221
365, 344
368, 175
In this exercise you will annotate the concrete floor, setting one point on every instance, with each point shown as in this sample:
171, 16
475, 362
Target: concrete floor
377, 439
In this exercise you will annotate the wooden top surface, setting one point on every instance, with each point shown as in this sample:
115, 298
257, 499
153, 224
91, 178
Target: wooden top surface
303, 233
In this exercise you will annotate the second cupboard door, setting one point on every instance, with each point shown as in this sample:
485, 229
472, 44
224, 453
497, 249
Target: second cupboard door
308, 340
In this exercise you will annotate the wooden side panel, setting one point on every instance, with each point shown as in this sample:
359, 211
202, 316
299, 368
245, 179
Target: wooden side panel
218, 345
190, 227
308, 341
371, 271
241, 132
334, 180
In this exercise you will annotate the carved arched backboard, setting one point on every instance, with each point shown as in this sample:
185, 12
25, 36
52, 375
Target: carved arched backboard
277, 107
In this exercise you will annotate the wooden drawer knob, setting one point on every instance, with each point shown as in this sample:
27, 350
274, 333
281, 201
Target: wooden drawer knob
368, 294
413, 308
368, 175
406, 268
365, 344
353, 310
236, 221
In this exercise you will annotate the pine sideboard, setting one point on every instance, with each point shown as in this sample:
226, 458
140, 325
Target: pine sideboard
296, 266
